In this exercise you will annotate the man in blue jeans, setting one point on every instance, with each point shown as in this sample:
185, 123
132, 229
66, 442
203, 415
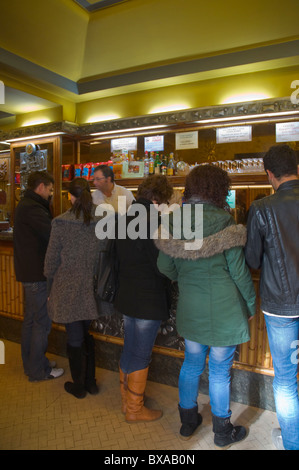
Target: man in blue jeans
273, 246
32, 227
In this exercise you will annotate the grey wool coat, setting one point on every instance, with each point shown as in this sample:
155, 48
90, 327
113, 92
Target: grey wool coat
70, 263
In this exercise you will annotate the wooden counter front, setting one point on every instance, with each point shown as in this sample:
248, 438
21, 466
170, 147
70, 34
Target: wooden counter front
11, 291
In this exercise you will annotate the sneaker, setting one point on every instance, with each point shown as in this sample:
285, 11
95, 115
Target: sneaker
277, 439
55, 373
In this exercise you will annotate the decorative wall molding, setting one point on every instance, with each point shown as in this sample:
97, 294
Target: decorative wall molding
242, 110
256, 109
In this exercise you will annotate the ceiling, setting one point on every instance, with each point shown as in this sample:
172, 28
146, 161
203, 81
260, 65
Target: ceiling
95, 5
92, 58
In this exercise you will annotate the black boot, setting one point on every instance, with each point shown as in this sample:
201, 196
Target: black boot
77, 360
90, 381
190, 419
225, 433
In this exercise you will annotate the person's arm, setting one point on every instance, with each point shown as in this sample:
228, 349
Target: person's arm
241, 276
166, 266
254, 247
53, 255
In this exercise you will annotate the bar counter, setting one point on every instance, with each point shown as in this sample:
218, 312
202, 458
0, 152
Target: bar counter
252, 373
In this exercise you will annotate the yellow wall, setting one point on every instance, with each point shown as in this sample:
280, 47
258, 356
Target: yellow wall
50, 33
39, 117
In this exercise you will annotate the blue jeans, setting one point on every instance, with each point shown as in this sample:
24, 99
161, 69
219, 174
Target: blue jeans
76, 332
139, 340
220, 363
283, 334
35, 331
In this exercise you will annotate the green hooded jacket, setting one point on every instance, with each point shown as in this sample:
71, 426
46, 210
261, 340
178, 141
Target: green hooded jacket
216, 292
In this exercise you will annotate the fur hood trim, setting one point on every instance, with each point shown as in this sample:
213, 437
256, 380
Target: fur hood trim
230, 237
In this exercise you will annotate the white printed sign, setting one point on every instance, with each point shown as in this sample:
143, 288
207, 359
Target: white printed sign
186, 140
154, 143
287, 131
233, 134
127, 143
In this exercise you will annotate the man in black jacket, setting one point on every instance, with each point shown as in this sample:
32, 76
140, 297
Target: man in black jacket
273, 246
32, 227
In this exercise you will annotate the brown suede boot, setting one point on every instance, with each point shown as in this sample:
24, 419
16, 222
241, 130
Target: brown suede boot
135, 410
123, 390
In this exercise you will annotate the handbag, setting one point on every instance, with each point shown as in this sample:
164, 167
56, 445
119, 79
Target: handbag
105, 279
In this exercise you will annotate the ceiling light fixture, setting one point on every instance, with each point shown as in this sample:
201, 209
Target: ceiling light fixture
132, 129
31, 137
249, 116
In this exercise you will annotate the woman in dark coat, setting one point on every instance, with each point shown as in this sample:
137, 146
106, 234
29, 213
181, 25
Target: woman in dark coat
142, 295
70, 264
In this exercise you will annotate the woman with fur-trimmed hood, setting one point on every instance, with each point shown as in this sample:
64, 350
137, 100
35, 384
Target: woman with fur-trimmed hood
216, 298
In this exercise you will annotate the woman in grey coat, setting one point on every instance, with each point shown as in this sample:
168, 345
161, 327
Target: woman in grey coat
70, 263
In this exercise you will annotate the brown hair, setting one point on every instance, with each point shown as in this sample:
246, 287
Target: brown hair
209, 183
155, 188
37, 177
79, 188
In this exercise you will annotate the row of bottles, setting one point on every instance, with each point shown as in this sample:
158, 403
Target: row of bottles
159, 164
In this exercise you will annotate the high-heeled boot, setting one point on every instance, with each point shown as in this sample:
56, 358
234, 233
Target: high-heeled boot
90, 381
135, 409
123, 389
77, 361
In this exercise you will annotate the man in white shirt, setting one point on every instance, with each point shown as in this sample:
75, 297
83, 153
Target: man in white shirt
107, 192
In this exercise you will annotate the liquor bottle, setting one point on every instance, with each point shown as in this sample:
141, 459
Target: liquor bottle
164, 165
146, 164
171, 166
157, 164
151, 164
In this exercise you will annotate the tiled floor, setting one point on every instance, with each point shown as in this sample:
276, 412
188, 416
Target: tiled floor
43, 416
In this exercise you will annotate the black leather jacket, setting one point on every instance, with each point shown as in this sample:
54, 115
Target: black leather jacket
273, 246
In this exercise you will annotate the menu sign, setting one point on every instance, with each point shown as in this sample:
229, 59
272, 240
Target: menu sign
154, 143
186, 140
127, 143
287, 132
233, 134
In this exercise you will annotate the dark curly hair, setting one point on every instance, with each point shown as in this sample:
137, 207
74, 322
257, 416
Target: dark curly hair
155, 188
209, 183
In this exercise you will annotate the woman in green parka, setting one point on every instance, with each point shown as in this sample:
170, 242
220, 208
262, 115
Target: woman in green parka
216, 297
